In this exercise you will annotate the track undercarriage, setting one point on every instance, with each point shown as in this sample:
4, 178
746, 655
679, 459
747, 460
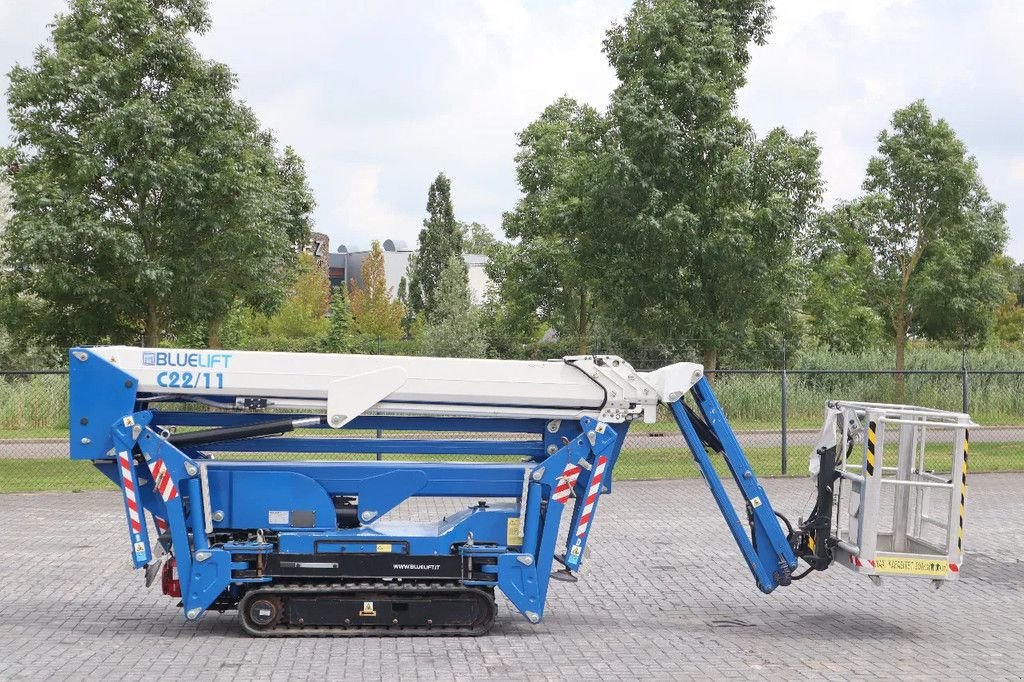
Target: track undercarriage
367, 609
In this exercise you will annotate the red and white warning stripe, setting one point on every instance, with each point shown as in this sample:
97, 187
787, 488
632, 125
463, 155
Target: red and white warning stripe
162, 480
161, 525
130, 498
566, 482
860, 564
595, 488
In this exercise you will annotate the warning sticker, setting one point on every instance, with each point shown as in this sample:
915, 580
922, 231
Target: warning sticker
513, 533
278, 518
912, 566
383, 548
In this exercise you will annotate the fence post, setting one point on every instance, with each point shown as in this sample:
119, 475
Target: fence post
784, 379
965, 381
380, 433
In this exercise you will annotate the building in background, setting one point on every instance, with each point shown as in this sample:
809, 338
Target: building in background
346, 266
319, 247
476, 267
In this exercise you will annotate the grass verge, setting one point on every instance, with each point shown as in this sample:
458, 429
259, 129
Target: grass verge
59, 474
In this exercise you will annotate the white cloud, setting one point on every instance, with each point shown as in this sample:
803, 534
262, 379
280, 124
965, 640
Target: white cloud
408, 91
360, 206
1017, 171
380, 96
841, 69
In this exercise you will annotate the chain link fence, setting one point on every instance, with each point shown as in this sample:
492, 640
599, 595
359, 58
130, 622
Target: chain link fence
776, 414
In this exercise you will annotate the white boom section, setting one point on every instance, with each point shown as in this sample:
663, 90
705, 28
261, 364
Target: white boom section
604, 387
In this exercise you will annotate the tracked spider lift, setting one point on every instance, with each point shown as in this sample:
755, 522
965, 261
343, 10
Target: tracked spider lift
311, 547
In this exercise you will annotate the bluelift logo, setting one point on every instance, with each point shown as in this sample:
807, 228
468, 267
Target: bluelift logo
165, 358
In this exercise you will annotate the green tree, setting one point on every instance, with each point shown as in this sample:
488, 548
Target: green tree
840, 312
706, 245
410, 325
147, 197
934, 231
402, 295
244, 268
439, 240
297, 196
14, 352
511, 304
476, 238
453, 326
6, 206
375, 311
410, 296
510, 332
300, 322
563, 172
1008, 325
6, 297
1013, 274
341, 323
1008, 322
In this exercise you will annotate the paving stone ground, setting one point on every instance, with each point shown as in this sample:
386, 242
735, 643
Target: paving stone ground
665, 595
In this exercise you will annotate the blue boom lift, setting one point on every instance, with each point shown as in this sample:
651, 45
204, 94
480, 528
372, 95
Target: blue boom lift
306, 547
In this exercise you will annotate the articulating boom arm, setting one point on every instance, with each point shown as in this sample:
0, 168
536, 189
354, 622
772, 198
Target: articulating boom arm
767, 551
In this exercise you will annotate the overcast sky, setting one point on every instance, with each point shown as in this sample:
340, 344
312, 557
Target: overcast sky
379, 96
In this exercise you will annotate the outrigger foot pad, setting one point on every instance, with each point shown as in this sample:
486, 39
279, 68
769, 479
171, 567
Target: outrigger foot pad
565, 575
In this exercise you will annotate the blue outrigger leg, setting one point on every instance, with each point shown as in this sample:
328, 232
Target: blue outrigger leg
767, 551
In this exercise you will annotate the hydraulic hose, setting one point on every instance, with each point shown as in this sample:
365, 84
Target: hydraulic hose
268, 428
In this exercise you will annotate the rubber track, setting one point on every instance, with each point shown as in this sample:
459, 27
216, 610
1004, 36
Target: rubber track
285, 590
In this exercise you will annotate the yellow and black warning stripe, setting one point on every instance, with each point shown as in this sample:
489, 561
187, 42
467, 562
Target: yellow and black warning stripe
963, 492
870, 468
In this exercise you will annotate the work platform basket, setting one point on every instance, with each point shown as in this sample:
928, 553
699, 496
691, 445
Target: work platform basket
904, 480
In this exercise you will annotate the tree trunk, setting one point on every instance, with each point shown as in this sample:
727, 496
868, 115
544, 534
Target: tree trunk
900, 328
213, 332
583, 326
710, 363
152, 333
901, 317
